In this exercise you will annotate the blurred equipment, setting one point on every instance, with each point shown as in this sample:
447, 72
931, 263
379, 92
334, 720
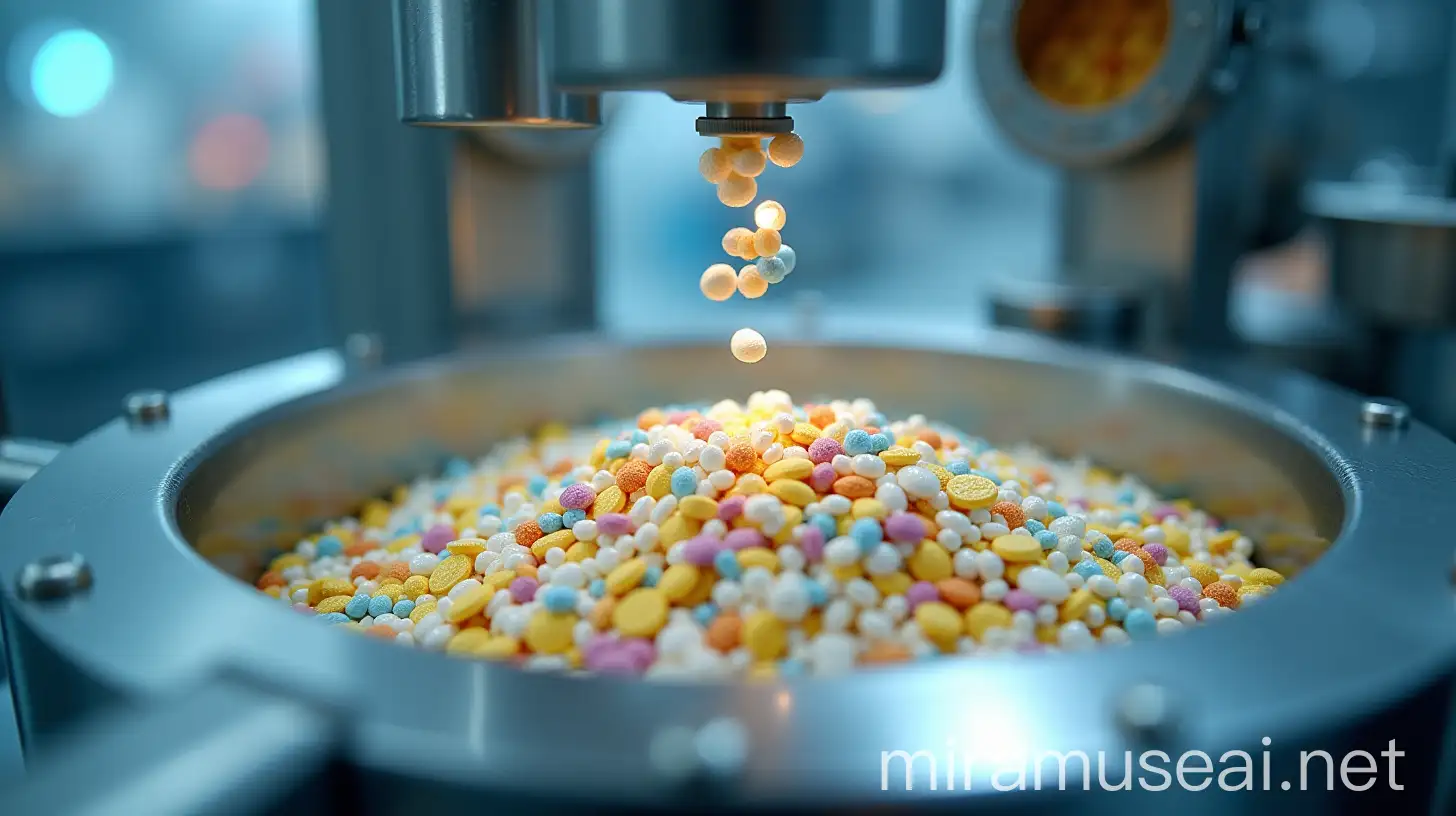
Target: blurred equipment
1174, 124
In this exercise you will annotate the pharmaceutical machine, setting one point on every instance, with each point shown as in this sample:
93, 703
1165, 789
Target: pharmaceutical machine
460, 198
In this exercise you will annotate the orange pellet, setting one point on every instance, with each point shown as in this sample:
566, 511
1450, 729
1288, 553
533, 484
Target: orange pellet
1223, 593
1127, 545
854, 487
724, 632
959, 593
527, 533
649, 418
871, 430
1011, 511
399, 571
740, 456
931, 438
632, 476
525, 571
368, 569
271, 578
359, 548
561, 468
885, 652
600, 616
1150, 564
821, 416
380, 631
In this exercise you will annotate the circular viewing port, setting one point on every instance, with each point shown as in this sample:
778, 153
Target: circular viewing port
1090, 55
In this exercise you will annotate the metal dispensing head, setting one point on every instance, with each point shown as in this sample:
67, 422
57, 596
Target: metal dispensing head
526, 62
470, 63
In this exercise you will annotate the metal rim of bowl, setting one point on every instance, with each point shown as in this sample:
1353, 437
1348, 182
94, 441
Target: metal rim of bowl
807, 736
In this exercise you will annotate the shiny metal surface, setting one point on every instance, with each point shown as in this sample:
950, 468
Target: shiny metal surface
21, 459
748, 50
1104, 317
1392, 254
1165, 106
223, 749
240, 467
438, 237
481, 63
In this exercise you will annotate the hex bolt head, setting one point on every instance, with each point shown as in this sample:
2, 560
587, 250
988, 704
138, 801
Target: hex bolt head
147, 407
54, 578
1383, 412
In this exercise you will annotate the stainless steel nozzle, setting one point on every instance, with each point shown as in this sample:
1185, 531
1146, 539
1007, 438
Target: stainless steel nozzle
748, 59
483, 62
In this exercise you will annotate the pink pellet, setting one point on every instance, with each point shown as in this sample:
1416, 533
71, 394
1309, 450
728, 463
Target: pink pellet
679, 417
435, 538
641, 650
1019, 600
921, 592
744, 537
904, 527
823, 477
1187, 599
578, 497
700, 551
731, 508
523, 589
1158, 552
823, 449
613, 524
706, 428
811, 544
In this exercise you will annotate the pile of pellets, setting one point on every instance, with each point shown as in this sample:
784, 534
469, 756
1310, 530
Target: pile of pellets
766, 539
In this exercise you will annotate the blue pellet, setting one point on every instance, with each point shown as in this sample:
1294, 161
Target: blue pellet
549, 522
856, 442
335, 617
866, 532
380, 604
597, 588
1117, 609
403, 607
704, 613
358, 606
818, 595
1033, 526
1087, 568
726, 563
558, 598
959, 468
1140, 624
1055, 510
571, 517
1048, 539
536, 485
618, 448
684, 482
651, 576
329, 545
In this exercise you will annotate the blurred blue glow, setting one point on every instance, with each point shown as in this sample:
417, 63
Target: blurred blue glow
71, 72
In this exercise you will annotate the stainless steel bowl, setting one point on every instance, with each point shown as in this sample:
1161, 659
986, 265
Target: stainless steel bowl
240, 464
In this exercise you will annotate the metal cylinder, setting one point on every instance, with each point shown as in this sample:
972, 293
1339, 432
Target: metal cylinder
749, 51
1392, 254
482, 62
